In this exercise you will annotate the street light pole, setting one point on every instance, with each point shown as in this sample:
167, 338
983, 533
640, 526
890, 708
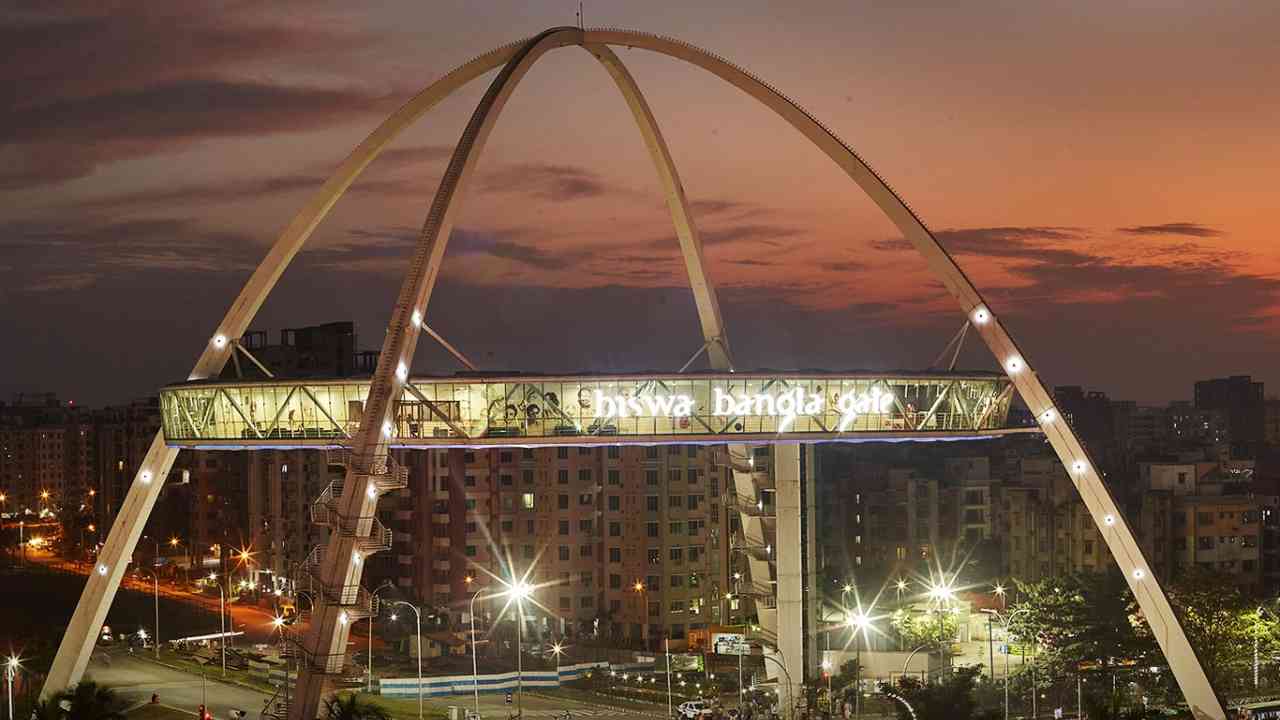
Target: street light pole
222, 621
417, 620
10, 669
475, 657
155, 640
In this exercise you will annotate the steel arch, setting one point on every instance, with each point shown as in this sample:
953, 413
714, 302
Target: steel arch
73, 652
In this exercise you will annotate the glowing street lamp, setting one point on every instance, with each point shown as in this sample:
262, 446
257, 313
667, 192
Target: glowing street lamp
11, 669
859, 621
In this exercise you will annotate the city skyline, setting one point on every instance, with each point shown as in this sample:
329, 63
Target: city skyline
122, 218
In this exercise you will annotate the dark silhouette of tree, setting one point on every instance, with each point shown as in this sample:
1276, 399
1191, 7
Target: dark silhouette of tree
351, 707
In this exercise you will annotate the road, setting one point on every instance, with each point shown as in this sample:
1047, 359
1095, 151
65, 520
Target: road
135, 679
254, 621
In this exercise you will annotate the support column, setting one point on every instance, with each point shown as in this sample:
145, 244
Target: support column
789, 550
809, 557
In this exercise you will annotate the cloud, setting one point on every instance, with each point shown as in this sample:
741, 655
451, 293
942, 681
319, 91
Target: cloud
1186, 229
41, 253
88, 86
546, 181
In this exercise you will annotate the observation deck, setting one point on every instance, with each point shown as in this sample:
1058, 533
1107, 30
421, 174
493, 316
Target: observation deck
478, 410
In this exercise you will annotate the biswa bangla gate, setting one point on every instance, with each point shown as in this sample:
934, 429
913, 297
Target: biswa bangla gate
721, 407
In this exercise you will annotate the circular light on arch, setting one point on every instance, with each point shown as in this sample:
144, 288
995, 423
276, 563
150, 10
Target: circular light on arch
1109, 520
416, 318
145, 476
219, 341
1079, 467
1014, 365
402, 371
1139, 573
388, 428
980, 315
1048, 416
102, 569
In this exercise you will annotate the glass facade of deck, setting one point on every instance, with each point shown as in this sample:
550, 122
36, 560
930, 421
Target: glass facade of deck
702, 407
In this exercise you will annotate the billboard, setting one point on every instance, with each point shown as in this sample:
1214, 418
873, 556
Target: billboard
730, 644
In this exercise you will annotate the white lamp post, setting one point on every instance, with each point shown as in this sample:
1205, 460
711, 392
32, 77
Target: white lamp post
519, 591
155, 640
222, 620
417, 619
475, 656
11, 669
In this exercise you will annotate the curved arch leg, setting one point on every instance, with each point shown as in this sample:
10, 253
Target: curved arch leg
1183, 661
95, 600
326, 641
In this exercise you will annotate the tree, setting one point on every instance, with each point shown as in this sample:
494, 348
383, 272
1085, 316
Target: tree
351, 707
1090, 617
926, 629
91, 701
1221, 623
952, 698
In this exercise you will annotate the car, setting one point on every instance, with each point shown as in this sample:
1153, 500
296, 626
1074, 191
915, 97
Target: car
694, 709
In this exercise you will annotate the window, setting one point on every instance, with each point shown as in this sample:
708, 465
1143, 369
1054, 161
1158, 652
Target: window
562, 502
564, 527
584, 451
651, 503
469, 480
564, 552
587, 601
673, 475
613, 452
1204, 518
566, 603
528, 527
694, 552
653, 583
1205, 542
508, 526
562, 453
675, 501
692, 451
651, 452
651, 529
506, 480
468, 457
675, 528
526, 477
470, 503
677, 555
1249, 541
693, 475
586, 526
584, 476
615, 503
615, 582
472, 526
694, 580
585, 551
695, 526
693, 501
504, 457
655, 610
471, 551
614, 476
677, 606
562, 477
587, 499
526, 453
615, 529
615, 554
677, 581
526, 501
650, 477
655, 556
